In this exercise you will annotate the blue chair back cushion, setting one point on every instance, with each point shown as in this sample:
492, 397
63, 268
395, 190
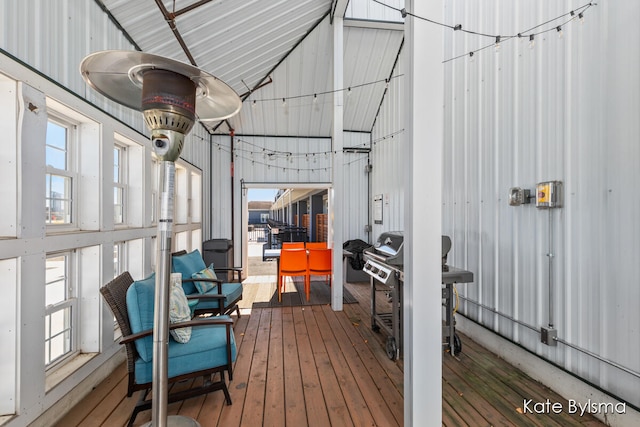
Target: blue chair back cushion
205, 349
188, 264
140, 301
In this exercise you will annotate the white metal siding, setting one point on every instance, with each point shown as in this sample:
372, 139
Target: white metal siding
565, 110
387, 157
356, 186
372, 11
54, 37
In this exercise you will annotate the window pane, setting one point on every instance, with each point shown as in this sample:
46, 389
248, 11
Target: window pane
56, 144
57, 335
56, 280
60, 187
118, 211
58, 199
116, 165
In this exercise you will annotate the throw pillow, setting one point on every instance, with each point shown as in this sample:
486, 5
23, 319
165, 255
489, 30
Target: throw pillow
179, 310
207, 273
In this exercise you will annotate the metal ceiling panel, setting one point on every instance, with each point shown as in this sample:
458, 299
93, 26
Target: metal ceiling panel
234, 41
369, 56
304, 81
289, 42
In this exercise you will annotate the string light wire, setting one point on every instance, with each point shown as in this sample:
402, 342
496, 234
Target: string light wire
328, 92
498, 39
271, 156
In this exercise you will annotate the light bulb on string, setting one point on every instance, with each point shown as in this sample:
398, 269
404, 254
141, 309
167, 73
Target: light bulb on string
471, 59
253, 104
315, 98
497, 44
559, 30
532, 41
581, 18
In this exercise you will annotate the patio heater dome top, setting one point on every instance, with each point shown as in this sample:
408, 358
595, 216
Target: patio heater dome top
120, 75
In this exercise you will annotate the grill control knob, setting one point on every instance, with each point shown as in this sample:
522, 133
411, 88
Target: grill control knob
383, 274
374, 270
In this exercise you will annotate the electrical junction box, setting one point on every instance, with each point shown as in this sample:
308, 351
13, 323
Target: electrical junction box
548, 336
549, 194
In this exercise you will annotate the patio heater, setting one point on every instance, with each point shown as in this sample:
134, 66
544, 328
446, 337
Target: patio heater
171, 95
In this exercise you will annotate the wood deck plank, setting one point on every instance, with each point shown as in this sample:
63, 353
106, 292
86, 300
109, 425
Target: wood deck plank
336, 406
256, 386
100, 413
391, 391
231, 415
316, 408
295, 409
449, 417
353, 395
95, 397
458, 405
513, 384
311, 366
275, 396
472, 397
356, 360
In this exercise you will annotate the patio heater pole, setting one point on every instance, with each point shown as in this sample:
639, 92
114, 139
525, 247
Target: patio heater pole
166, 92
160, 386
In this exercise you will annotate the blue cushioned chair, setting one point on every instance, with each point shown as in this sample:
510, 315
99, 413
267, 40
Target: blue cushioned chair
222, 298
211, 349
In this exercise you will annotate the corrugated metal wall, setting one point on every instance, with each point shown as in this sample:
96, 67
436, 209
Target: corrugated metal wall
566, 109
54, 37
369, 10
356, 185
387, 156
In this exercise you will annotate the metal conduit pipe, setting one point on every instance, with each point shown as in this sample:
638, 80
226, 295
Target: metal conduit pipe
560, 340
550, 255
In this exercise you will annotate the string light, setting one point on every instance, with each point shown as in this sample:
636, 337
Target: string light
328, 92
501, 38
271, 155
532, 41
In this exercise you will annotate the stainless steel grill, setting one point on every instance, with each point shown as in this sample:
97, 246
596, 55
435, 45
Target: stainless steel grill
384, 265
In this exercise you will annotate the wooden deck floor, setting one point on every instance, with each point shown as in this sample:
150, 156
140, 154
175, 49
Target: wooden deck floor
311, 366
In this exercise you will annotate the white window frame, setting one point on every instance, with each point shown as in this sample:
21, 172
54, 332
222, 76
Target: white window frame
70, 172
70, 302
121, 183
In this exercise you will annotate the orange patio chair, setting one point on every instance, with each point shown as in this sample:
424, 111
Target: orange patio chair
292, 245
316, 245
320, 264
293, 262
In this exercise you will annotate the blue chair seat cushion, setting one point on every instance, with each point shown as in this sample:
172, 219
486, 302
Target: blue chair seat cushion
205, 349
231, 291
188, 264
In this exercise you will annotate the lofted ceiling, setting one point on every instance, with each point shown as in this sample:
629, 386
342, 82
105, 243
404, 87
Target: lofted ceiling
276, 54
